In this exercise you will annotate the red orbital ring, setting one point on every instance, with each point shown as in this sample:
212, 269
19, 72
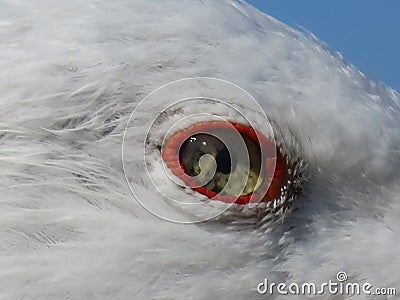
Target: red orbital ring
276, 177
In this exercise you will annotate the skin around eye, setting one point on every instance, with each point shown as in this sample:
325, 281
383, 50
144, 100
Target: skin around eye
202, 161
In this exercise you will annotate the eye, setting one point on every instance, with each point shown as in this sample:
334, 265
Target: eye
209, 139
227, 161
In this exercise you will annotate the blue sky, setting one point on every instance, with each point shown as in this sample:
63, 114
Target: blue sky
366, 32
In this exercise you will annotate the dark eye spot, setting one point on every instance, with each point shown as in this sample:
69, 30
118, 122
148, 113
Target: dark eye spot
194, 147
224, 163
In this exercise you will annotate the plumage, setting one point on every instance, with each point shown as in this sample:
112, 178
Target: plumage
72, 72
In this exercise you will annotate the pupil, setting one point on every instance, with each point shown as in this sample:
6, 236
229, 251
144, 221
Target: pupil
224, 161
200, 144
227, 163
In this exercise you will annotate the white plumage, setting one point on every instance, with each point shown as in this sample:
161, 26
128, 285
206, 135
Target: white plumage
70, 75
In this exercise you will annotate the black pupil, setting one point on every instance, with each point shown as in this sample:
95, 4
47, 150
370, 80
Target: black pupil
225, 161
198, 145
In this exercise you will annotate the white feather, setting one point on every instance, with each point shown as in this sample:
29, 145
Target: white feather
71, 73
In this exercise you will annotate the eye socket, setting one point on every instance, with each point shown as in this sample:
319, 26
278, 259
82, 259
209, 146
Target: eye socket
202, 161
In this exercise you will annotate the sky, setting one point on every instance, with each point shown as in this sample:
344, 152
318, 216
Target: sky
365, 32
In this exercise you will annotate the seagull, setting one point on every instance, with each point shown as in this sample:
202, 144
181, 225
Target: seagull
94, 207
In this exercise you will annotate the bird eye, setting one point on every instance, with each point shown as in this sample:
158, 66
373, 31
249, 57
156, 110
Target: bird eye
227, 161
209, 137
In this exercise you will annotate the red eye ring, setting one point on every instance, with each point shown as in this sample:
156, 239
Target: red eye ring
279, 174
